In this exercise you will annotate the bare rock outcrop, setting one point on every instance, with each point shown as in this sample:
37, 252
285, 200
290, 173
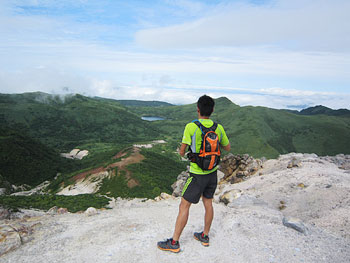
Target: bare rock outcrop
13, 234
305, 186
5, 186
341, 160
232, 169
4, 213
238, 167
295, 224
163, 196
180, 182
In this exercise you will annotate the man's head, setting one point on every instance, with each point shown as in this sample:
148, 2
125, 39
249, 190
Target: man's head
205, 105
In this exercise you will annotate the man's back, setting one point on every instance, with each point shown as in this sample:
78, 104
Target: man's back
193, 137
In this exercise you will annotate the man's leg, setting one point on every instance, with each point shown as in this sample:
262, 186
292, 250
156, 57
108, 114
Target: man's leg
182, 218
209, 214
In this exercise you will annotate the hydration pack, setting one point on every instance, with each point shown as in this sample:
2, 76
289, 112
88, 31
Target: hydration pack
209, 154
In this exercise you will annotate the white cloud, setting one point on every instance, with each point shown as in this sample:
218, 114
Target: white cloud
60, 82
305, 25
58, 54
51, 80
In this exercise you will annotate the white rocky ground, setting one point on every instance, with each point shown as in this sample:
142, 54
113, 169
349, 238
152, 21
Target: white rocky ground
88, 185
75, 154
248, 229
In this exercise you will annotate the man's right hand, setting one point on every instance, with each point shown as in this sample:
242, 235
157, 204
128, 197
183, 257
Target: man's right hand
183, 149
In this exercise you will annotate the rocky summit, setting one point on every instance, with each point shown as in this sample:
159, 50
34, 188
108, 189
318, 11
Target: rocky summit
295, 208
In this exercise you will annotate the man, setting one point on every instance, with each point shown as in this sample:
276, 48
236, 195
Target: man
201, 183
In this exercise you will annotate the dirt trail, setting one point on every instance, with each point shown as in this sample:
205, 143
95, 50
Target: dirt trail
135, 157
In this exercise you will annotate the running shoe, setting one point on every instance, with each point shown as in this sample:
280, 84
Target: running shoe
169, 245
204, 239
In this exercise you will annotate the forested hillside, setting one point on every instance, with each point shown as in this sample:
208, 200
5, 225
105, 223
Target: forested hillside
261, 131
36, 127
27, 161
64, 122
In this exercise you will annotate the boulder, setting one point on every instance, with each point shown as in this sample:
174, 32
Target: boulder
4, 213
9, 239
3, 191
237, 166
178, 185
221, 176
5, 187
235, 180
230, 195
25, 230
52, 210
157, 199
294, 163
91, 211
295, 224
164, 196
62, 210
340, 160
241, 174
16, 233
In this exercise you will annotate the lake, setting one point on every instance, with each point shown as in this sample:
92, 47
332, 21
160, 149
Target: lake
152, 118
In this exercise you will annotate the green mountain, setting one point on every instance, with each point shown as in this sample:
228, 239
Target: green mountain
261, 131
36, 127
319, 109
137, 103
27, 161
65, 122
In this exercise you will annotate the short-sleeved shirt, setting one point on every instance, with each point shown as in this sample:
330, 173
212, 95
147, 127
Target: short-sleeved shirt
193, 137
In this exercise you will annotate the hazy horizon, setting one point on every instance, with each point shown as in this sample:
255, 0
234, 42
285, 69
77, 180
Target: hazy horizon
62, 96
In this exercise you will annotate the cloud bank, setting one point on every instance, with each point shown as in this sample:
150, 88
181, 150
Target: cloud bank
275, 53
301, 25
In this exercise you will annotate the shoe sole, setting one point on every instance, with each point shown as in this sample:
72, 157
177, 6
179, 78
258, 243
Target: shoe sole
176, 250
203, 243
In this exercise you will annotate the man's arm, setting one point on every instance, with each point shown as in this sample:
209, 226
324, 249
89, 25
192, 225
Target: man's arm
182, 150
227, 147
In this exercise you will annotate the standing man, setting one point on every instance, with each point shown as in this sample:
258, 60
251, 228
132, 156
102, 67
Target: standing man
200, 183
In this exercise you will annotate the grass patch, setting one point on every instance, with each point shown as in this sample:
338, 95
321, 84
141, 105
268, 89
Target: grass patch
45, 202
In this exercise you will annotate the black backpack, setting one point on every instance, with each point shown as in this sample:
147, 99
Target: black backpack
209, 154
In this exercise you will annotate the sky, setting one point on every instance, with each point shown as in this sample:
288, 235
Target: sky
275, 53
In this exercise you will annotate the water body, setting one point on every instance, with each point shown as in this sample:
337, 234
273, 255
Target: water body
152, 118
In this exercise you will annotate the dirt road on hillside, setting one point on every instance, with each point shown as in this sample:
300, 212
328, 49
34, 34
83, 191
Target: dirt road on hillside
135, 157
87, 182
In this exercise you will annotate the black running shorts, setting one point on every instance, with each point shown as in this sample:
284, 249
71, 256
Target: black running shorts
198, 185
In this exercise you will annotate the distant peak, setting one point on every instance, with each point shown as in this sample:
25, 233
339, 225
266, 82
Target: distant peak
224, 101
320, 109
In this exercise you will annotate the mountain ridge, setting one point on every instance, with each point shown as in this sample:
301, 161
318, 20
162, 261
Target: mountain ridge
104, 127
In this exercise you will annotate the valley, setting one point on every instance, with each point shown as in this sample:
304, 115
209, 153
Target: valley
123, 159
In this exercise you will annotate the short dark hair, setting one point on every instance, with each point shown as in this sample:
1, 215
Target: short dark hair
205, 105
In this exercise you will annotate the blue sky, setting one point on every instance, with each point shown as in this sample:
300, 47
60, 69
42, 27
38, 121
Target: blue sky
277, 53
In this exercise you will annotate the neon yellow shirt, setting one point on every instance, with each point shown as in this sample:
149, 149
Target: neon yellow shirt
193, 137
